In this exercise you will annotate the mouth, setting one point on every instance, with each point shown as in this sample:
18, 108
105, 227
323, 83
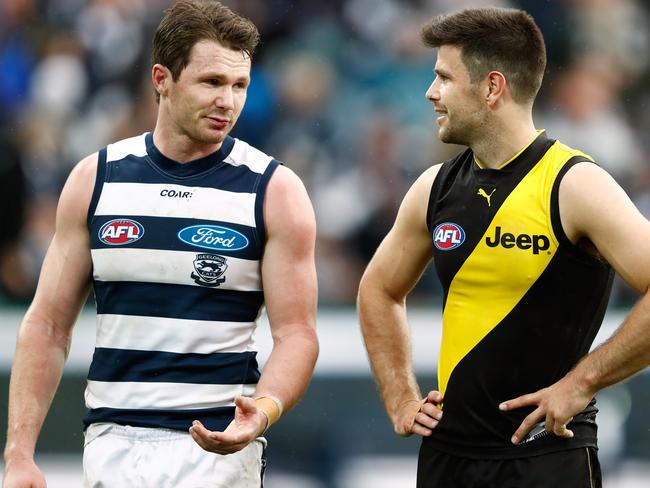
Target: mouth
219, 123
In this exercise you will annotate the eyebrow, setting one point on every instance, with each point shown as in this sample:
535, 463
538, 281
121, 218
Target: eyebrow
442, 72
222, 77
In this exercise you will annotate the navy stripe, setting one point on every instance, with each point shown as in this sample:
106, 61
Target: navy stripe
259, 200
213, 418
194, 168
99, 184
221, 368
222, 176
177, 301
161, 233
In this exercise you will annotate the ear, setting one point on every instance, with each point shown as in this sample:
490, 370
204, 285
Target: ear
496, 88
161, 78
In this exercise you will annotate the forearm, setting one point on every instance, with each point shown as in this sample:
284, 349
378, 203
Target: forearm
289, 368
626, 352
387, 338
38, 365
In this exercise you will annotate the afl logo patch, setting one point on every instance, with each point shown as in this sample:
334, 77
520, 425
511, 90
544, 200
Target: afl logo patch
448, 236
118, 232
213, 237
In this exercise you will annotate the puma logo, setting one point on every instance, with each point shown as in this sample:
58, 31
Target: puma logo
482, 193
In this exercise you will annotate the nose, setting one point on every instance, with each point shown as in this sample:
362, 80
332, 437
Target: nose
433, 94
225, 99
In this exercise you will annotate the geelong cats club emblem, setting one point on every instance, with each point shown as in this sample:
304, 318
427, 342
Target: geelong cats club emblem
209, 269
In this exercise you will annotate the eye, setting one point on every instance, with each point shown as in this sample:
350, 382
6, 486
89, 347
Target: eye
216, 81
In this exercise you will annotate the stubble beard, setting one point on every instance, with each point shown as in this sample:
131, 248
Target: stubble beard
449, 135
204, 135
463, 132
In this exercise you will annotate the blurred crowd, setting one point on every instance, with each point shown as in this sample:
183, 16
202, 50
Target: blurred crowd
337, 93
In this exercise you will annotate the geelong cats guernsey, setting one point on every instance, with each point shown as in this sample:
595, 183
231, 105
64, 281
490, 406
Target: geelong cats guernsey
522, 304
176, 252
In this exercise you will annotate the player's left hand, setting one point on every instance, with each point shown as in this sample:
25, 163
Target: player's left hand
248, 424
556, 405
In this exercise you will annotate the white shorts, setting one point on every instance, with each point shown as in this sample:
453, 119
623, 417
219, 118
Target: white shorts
118, 456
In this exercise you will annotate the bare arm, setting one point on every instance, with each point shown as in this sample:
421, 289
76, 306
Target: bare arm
593, 206
44, 335
290, 289
393, 271
290, 294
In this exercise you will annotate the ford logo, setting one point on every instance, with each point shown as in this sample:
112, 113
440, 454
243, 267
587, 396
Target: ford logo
213, 237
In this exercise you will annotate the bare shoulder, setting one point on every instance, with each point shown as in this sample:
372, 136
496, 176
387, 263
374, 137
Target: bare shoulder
406, 250
583, 176
285, 179
426, 179
82, 177
590, 198
414, 206
77, 192
287, 207
87, 166
594, 206
67, 269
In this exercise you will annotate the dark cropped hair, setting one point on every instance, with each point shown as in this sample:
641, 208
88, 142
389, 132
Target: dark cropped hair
190, 21
494, 39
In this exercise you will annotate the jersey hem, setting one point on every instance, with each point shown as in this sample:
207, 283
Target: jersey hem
535, 448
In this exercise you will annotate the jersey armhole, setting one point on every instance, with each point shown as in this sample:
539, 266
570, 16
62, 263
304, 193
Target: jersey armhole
260, 190
433, 196
99, 184
556, 221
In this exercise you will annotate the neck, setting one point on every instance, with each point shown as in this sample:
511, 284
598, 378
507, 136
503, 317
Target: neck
504, 139
179, 146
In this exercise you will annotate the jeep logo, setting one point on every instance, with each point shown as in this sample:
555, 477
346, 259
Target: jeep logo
536, 242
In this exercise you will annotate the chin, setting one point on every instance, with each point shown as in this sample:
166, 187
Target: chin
448, 137
218, 139
444, 136
211, 137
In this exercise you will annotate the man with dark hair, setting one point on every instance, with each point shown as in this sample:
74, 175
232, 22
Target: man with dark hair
511, 44
524, 232
184, 234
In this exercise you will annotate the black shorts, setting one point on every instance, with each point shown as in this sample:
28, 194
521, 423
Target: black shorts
576, 468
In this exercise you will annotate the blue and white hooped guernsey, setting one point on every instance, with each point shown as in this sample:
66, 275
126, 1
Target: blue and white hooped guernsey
176, 252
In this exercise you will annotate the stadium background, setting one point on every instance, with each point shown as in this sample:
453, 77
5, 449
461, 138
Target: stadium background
338, 94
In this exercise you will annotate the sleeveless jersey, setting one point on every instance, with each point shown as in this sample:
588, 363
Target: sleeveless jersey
522, 304
176, 252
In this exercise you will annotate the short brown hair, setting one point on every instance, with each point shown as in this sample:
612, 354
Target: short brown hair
190, 21
505, 40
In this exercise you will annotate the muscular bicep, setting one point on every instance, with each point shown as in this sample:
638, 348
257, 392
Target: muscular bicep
406, 250
288, 269
595, 207
66, 272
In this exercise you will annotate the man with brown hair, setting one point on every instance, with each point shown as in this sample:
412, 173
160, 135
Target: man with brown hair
184, 234
524, 232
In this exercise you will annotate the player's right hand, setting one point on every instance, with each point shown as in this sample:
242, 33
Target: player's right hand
248, 424
419, 417
23, 474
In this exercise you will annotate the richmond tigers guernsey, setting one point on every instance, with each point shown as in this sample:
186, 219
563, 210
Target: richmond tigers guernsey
176, 252
522, 304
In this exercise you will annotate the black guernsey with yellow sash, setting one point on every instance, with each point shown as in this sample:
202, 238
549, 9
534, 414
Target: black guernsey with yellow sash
522, 304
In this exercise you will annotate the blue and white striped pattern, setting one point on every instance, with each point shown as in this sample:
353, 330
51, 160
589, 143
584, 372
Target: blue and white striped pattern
174, 330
